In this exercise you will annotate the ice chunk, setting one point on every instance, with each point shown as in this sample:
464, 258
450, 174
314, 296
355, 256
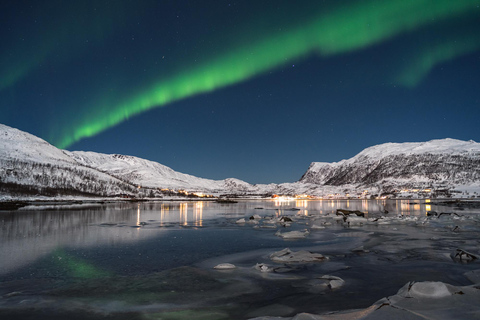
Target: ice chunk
225, 266
293, 234
335, 284
269, 221
421, 300
286, 255
285, 221
333, 281
356, 220
360, 249
262, 267
428, 289
344, 212
242, 220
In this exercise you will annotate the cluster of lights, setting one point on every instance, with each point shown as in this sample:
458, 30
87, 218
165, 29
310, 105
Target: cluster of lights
416, 190
195, 194
292, 198
282, 198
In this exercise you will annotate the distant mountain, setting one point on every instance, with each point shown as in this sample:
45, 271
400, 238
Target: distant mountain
30, 165
140, 171
393, 166
152, 174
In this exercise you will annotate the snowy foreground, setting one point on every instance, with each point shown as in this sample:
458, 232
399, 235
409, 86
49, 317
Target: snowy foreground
251, 260
416, 300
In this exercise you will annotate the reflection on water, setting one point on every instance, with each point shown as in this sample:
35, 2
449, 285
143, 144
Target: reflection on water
29, 235
369, 207
153, 251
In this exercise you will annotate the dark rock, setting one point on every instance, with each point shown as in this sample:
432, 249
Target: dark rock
463, 256
348, 212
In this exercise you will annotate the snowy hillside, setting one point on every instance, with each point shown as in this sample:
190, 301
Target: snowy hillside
152, 174
32, 165
142, 172
446, 162
19, 145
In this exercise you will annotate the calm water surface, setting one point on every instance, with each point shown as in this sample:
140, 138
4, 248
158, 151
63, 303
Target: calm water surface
154, 260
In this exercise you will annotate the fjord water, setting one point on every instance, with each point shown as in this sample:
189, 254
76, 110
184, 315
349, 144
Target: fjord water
154, 260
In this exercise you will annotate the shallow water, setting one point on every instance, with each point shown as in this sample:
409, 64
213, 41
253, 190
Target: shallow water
154, 260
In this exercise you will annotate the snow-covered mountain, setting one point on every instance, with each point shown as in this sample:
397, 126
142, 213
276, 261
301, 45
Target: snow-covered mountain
141, 172
19, 145
32, 165
389, 166
152, 174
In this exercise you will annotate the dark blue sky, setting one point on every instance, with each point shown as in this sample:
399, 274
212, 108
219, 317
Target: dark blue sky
65, 66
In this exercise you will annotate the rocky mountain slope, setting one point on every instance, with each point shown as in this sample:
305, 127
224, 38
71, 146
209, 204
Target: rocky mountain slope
390, 166
30, 165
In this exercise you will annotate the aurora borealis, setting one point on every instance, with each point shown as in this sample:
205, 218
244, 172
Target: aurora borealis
241, 81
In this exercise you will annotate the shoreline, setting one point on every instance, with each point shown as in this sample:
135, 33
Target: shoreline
80, 202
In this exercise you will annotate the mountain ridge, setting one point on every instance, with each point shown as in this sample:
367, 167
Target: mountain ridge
27, 160
435, 162
31, 164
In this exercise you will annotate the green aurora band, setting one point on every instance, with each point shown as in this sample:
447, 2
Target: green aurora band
433, 54
77, 268
345, 29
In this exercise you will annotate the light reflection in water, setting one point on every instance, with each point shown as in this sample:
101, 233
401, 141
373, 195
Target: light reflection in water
408, 207
282, 201
404, 207
138, 214
37, 233
187, 214
365, 205
184, 213
428, 207
163, 208
199, 214
301, 203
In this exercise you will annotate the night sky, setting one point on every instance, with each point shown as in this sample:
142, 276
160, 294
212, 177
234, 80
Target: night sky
255, 90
